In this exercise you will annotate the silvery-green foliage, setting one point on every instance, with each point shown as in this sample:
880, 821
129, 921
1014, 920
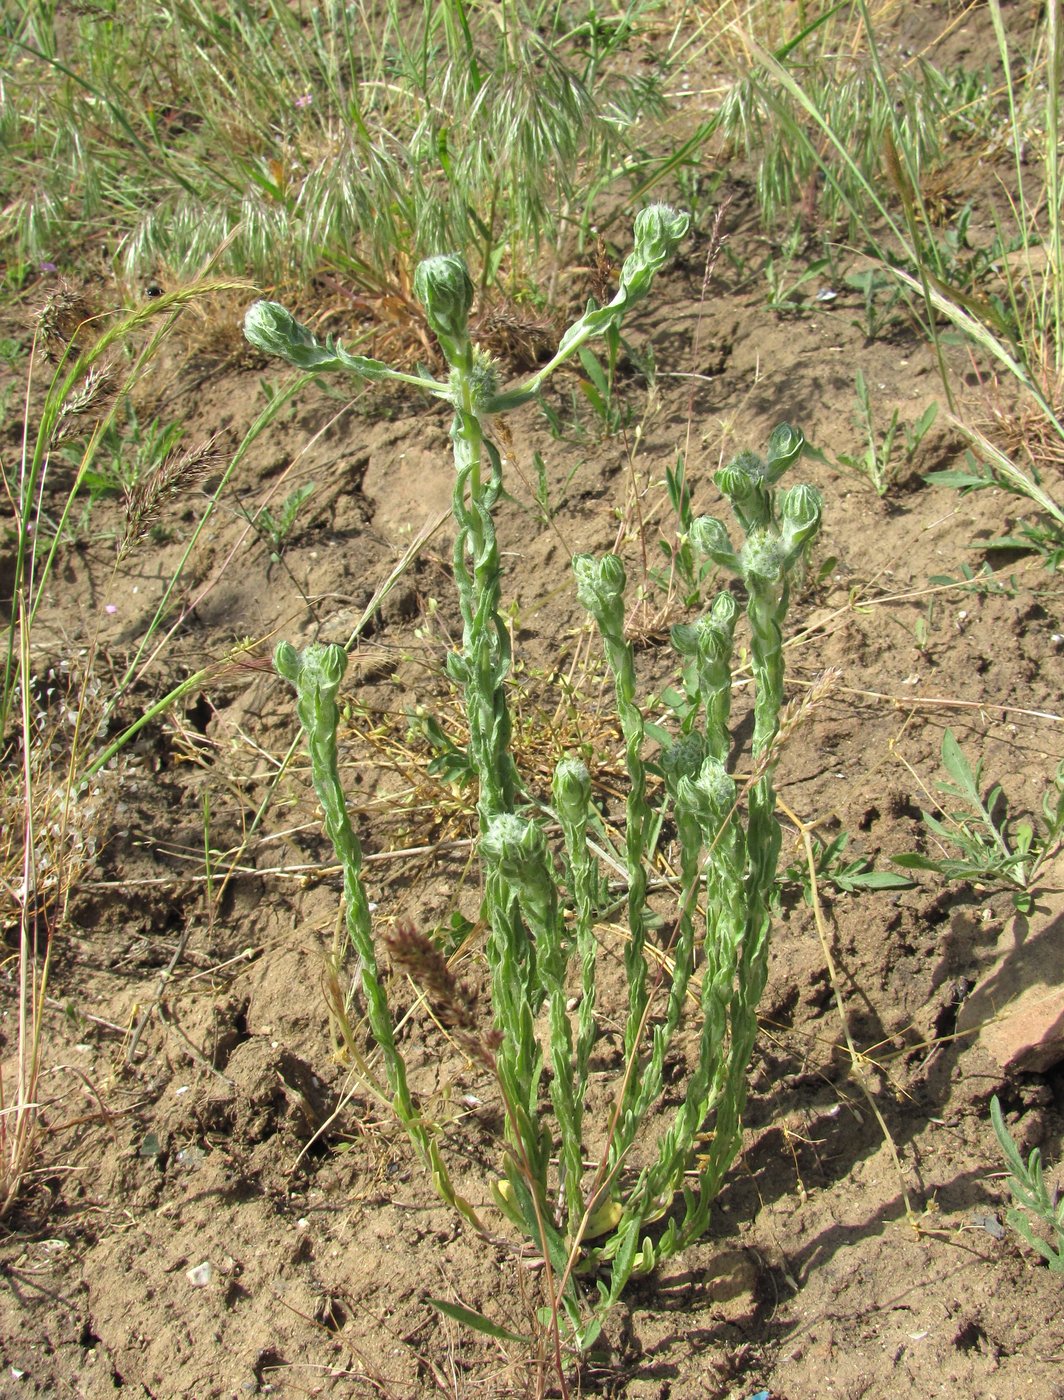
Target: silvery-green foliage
275, 331
542, 946
727, 864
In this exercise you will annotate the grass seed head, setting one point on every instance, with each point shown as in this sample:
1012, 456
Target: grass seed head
179, 472
63, 321
414, 953
89, 399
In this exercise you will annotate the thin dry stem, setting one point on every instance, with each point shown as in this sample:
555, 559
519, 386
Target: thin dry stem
857, 1060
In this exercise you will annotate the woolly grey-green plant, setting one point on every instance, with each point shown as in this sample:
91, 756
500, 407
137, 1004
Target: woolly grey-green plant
541, 905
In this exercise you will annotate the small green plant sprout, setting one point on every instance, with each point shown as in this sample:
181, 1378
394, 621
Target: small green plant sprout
832, 868
880, 296
884, 458
545, 509
1044, 536
1032, 1197
597, 409
993, 850
591, 1223
785, 285
277, 529
684, 566
129, 457
599, 387
450, 761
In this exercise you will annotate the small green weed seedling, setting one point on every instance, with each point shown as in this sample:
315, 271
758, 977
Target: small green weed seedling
684, 565
1044, 536
984, 584
600, 387
993, 849
277, 529
598, 409
785, 284
880, 297
831, 868
1029, 1191
128, 456
885, 457
545, 508
587, 1194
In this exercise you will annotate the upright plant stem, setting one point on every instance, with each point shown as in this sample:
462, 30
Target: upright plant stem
316, 674
485, 659
600, 587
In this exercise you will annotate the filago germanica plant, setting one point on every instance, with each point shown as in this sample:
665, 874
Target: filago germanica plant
647, 1163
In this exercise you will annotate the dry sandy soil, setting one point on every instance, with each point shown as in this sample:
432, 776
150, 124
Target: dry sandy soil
201, 1115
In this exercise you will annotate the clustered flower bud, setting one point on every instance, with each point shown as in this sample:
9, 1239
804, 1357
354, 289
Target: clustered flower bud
710, 538
443, 286
572, 790
683, 758
322, 666
599, 582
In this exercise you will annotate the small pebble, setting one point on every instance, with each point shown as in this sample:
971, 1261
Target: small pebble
984, 1220
201, 1275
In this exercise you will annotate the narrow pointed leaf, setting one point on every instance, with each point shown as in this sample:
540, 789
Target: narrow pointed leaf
477, 1321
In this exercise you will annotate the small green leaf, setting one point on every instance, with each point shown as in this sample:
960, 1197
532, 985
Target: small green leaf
924, 422
594, 398
477, 1321
875, 880
912, 861
960, 480
99, 484
590, 1334
594, 371
956, 765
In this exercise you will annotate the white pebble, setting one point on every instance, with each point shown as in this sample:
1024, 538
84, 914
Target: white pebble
201, 1275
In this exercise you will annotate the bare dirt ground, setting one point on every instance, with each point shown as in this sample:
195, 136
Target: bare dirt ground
225, 1212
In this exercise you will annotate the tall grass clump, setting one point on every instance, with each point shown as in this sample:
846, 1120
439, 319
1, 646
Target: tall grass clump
348, 140
586, 1193
867, 155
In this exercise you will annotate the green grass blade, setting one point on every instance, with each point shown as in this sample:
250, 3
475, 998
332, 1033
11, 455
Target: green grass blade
477, 1321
